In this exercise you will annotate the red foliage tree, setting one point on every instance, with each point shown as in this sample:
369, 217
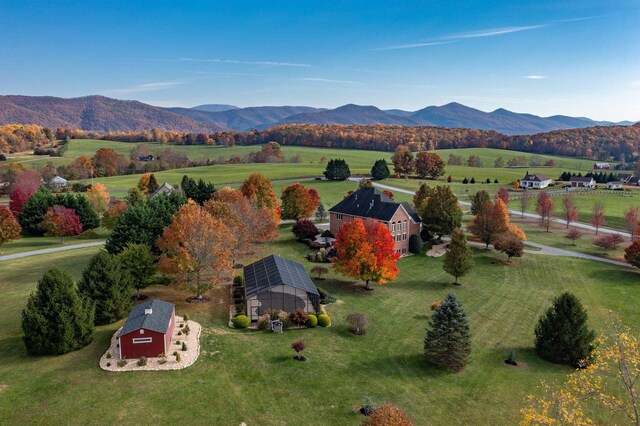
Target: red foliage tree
569, 209
61, 222
9, 227
366, 253
429, 164
631, 220
632, 254
490, 222
503, 194
107, 162
112, 213
27, 182
609, 241
388, 193
597, 215
545, 208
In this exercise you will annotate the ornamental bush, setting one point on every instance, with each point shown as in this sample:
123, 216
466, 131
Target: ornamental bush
238, 281
324, 320
184, 347
241, 321
298, 317
304, 229
263, 322
312, 321
142, 362
415, 244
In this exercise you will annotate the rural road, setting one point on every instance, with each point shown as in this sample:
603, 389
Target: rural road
49, 250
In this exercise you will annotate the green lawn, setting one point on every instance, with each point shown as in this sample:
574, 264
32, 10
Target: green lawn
250, 376
27, 243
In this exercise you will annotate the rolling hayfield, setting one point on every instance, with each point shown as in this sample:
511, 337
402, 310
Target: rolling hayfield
249, 376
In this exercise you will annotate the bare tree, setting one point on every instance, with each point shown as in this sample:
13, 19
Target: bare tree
597, 215
525, 200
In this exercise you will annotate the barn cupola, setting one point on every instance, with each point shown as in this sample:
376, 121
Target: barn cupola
148, 311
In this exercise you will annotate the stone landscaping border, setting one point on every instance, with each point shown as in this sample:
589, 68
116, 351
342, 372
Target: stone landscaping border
188, 357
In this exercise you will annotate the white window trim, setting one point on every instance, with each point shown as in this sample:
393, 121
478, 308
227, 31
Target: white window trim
142, 340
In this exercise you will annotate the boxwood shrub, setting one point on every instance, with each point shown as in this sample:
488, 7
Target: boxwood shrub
324, 320
312, 321
241, 321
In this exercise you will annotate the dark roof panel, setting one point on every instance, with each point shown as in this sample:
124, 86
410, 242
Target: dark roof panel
580, 179
273, 271
158, 320
535, 177
371, 203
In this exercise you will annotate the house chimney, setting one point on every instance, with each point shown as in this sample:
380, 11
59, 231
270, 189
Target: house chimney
148, 311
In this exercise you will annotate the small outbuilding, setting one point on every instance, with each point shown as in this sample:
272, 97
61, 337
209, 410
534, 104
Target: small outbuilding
601, 166
278, 283
615, 185
148, 330
58, 182
165, 189
584, 182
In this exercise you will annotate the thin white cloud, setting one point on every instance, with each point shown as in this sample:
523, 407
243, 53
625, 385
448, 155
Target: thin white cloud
635, 83
145, 87
413, 45
328, 80
493, 32
233, 61
535, 77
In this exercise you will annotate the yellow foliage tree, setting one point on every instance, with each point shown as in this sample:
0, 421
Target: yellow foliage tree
98, 197
611, 379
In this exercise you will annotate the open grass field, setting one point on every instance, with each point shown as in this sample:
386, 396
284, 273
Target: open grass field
250, 376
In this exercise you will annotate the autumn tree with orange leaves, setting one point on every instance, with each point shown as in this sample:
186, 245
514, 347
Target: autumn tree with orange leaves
196, 250
366, 253
569, 209
112, 213
9, 226
233, 215
490, 222
545, 208
298, 202
262, 223
98, 197
259, 191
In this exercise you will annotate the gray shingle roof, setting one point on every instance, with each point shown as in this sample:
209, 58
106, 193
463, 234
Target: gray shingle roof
371, 203
535, 177
158, 320
273, 271
580, 179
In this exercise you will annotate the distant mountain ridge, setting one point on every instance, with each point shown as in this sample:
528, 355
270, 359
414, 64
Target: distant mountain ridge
102, 114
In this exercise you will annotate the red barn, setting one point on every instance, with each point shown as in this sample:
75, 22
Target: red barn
148, 330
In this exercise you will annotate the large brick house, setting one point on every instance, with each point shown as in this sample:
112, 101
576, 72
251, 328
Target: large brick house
371, 205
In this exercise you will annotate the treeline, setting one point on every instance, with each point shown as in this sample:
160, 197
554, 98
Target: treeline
621, 143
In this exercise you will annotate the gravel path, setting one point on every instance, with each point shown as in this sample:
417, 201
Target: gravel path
49, 250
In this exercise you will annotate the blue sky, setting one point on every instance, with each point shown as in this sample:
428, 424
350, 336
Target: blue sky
545, 57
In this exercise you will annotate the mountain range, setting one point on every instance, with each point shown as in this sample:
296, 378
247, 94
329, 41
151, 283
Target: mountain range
99, 113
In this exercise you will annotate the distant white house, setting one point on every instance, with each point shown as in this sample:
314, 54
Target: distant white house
535, 181
57, 182
165, 189
625, 177
582, 182
614, 185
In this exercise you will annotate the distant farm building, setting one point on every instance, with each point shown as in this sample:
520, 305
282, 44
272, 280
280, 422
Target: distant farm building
615, 185
146, 158
165, 189
278, 283
371, 205
625, 177
601, 166
148, 330
534, 181
582, 182
57, 182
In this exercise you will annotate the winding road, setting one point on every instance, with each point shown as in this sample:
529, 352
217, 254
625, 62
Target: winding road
49, 250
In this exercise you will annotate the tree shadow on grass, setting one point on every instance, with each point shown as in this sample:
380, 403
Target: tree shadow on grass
413, 365
615, 274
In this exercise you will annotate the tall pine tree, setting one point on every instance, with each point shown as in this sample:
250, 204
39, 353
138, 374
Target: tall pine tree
56, 319
447, 344
458, 260
103, 283
562, 334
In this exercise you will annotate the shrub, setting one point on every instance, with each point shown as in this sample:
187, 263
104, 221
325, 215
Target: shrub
122, 363
238, 281
562, 334
162, 360
186, 317
186, 330
241, 321
473, 180
178, 342
238, 294
142, 362
359, 323
312, 321
304, 229
184, 346
496, 181
108, 364
176, 353
325, 298
181, 325
239, 308
415, 244
88, 235
178, 357
324, 320
284, 317
319, 270
263, 322
327, 234
298, 346
465, 180
386, 415
108, 355
179, 333
298, 317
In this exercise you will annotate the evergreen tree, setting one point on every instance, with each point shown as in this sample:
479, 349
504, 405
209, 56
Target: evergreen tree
380, 170
337, 169
321, 212
199, 191
138, 266
442, 213
134, 196
153, 184
458, 260
447, 344
56, 319
103, 283
562, 334
34, 210
79, 203
477, 200
144, 222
